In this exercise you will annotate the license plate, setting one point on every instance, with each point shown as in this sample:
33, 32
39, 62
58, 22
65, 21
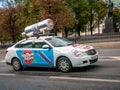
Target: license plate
94, 57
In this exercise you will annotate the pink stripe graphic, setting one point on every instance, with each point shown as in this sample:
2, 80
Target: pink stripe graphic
45, 58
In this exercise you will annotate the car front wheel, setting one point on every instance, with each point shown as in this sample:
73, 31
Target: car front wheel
16, 64
64, 64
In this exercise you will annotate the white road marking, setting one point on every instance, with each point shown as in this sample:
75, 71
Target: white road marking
86, 79
2, 61
118, 58
3, 74
109, 58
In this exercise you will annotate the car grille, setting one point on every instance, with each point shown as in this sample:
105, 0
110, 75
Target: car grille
91, 52
93, 61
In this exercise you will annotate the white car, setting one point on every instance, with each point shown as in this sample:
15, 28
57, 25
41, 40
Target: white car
50, 51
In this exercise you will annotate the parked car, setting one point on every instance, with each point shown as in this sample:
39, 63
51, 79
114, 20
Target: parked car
50, 51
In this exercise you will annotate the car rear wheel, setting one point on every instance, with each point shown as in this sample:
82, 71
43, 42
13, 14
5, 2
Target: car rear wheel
64, 64
16, 64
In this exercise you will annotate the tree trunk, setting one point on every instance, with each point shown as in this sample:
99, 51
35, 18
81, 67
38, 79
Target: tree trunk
66, 32
13, 36
78, 32
98, 26
91, 21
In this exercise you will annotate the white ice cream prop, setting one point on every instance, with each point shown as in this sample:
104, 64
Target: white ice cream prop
37, 28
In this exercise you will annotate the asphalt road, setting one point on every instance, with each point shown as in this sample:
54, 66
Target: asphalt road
103, 75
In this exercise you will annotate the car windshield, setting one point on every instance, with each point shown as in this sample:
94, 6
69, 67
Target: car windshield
59, 41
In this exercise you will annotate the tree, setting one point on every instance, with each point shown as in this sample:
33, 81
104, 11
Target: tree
116, 14
91, 14
80, 9
87, 13
97, 12
58, 11
101, 11
30, 13
10, 26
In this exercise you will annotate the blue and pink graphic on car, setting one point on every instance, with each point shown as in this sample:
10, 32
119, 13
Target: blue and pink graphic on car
36, 57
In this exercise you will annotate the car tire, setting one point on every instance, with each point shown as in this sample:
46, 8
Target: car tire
64, 64
16, 64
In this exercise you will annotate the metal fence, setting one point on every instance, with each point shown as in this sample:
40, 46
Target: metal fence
96, 38
86, 39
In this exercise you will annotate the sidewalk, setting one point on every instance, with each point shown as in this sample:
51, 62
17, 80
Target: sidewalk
106, 45
2, 51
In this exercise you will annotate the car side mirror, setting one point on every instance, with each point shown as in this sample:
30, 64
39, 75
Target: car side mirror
46, 46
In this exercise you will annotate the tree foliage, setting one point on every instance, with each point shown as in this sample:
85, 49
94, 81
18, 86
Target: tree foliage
87, 13
116, 14
80, 10
81, 15
56, 10
101, 12
30, 12
9, 24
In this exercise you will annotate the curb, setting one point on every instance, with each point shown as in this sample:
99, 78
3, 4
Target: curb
106, 45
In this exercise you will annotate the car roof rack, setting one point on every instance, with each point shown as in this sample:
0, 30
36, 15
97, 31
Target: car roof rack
38, 35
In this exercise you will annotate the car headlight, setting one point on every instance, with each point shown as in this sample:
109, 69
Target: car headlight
79, 53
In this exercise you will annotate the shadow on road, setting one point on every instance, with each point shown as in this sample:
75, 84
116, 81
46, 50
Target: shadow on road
43, 71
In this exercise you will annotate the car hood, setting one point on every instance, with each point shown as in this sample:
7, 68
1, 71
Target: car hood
80, 47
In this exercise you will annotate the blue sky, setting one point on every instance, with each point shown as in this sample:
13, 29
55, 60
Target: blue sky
116, 3
3, 3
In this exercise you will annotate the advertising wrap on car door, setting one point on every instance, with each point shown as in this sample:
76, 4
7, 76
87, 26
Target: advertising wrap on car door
36, 57
28, 56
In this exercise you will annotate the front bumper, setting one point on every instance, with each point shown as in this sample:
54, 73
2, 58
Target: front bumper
84, 61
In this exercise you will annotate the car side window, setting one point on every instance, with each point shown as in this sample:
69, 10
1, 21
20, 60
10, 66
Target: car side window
39, 43
25, 44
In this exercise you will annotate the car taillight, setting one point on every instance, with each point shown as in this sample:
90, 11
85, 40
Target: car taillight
6, 51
